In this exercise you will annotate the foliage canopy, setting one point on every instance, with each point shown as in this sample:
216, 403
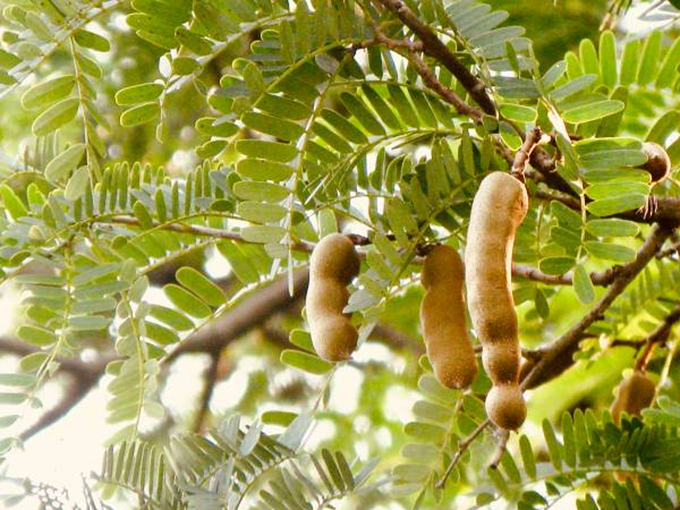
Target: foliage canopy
147, 142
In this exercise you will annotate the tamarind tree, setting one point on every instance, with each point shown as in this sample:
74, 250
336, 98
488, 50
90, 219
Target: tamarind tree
167, 167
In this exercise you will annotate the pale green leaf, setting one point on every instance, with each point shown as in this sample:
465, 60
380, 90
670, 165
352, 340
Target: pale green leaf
77, 184
592, 111
583, 285
55, 116
305, 361
60, 166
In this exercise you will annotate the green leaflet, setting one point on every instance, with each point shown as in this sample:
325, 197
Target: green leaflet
77, 184
609, 251
139, 114
60, 166
583, 285
305, 361
201, 286
48, 92
91, 40
55, 116
592, 111
142, 93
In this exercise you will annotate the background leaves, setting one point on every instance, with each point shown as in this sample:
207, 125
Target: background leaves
170, 165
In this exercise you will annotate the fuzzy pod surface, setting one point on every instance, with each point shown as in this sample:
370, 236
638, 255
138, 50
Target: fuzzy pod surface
442, 317
333, 265
634, 394
498, 209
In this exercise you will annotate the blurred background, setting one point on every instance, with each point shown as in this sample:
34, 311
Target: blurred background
376, 393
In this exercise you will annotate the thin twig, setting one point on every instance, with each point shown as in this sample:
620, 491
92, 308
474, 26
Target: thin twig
397, 339
527, 272
502, 444
198, 230
209, 381
658, 336
428, 76
557, 357
431, 80
663, 210
668, 208
674, 249
462, 448
82, 381
601, 278
541, 194
435, 48
522, 156
625, 342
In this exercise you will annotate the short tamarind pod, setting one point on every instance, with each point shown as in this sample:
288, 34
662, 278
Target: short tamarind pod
333, 265
498, 209
634, 394
658, 164
442, 317
505, 406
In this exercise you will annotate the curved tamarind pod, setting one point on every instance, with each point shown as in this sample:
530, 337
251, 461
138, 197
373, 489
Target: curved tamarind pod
442, 316
333, 265
658, 164
634, 394
500, 205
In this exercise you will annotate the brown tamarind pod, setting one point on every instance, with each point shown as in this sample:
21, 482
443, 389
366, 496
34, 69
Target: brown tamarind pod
333, 265
442, 317
498, 209
658, 164
505, 406
634, 394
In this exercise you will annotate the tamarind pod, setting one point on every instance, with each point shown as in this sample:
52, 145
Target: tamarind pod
658, 163
502, 363
505, 406
498, 209
634, 394
442, 317
333, 265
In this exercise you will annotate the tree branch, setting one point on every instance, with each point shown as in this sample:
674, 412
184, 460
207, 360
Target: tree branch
664, 210
545, 164
571, 202
249, 314
659, 335
428, 76
557, 357
79, 387
522, 156
209, 381
674, 249
84, 376
463, 445
435, 48
73, 366
602, 278
431, 80
245, 316
397, 339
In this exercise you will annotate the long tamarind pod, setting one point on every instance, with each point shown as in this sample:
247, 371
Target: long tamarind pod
634, 394
333, 265
442, 316
498, 209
